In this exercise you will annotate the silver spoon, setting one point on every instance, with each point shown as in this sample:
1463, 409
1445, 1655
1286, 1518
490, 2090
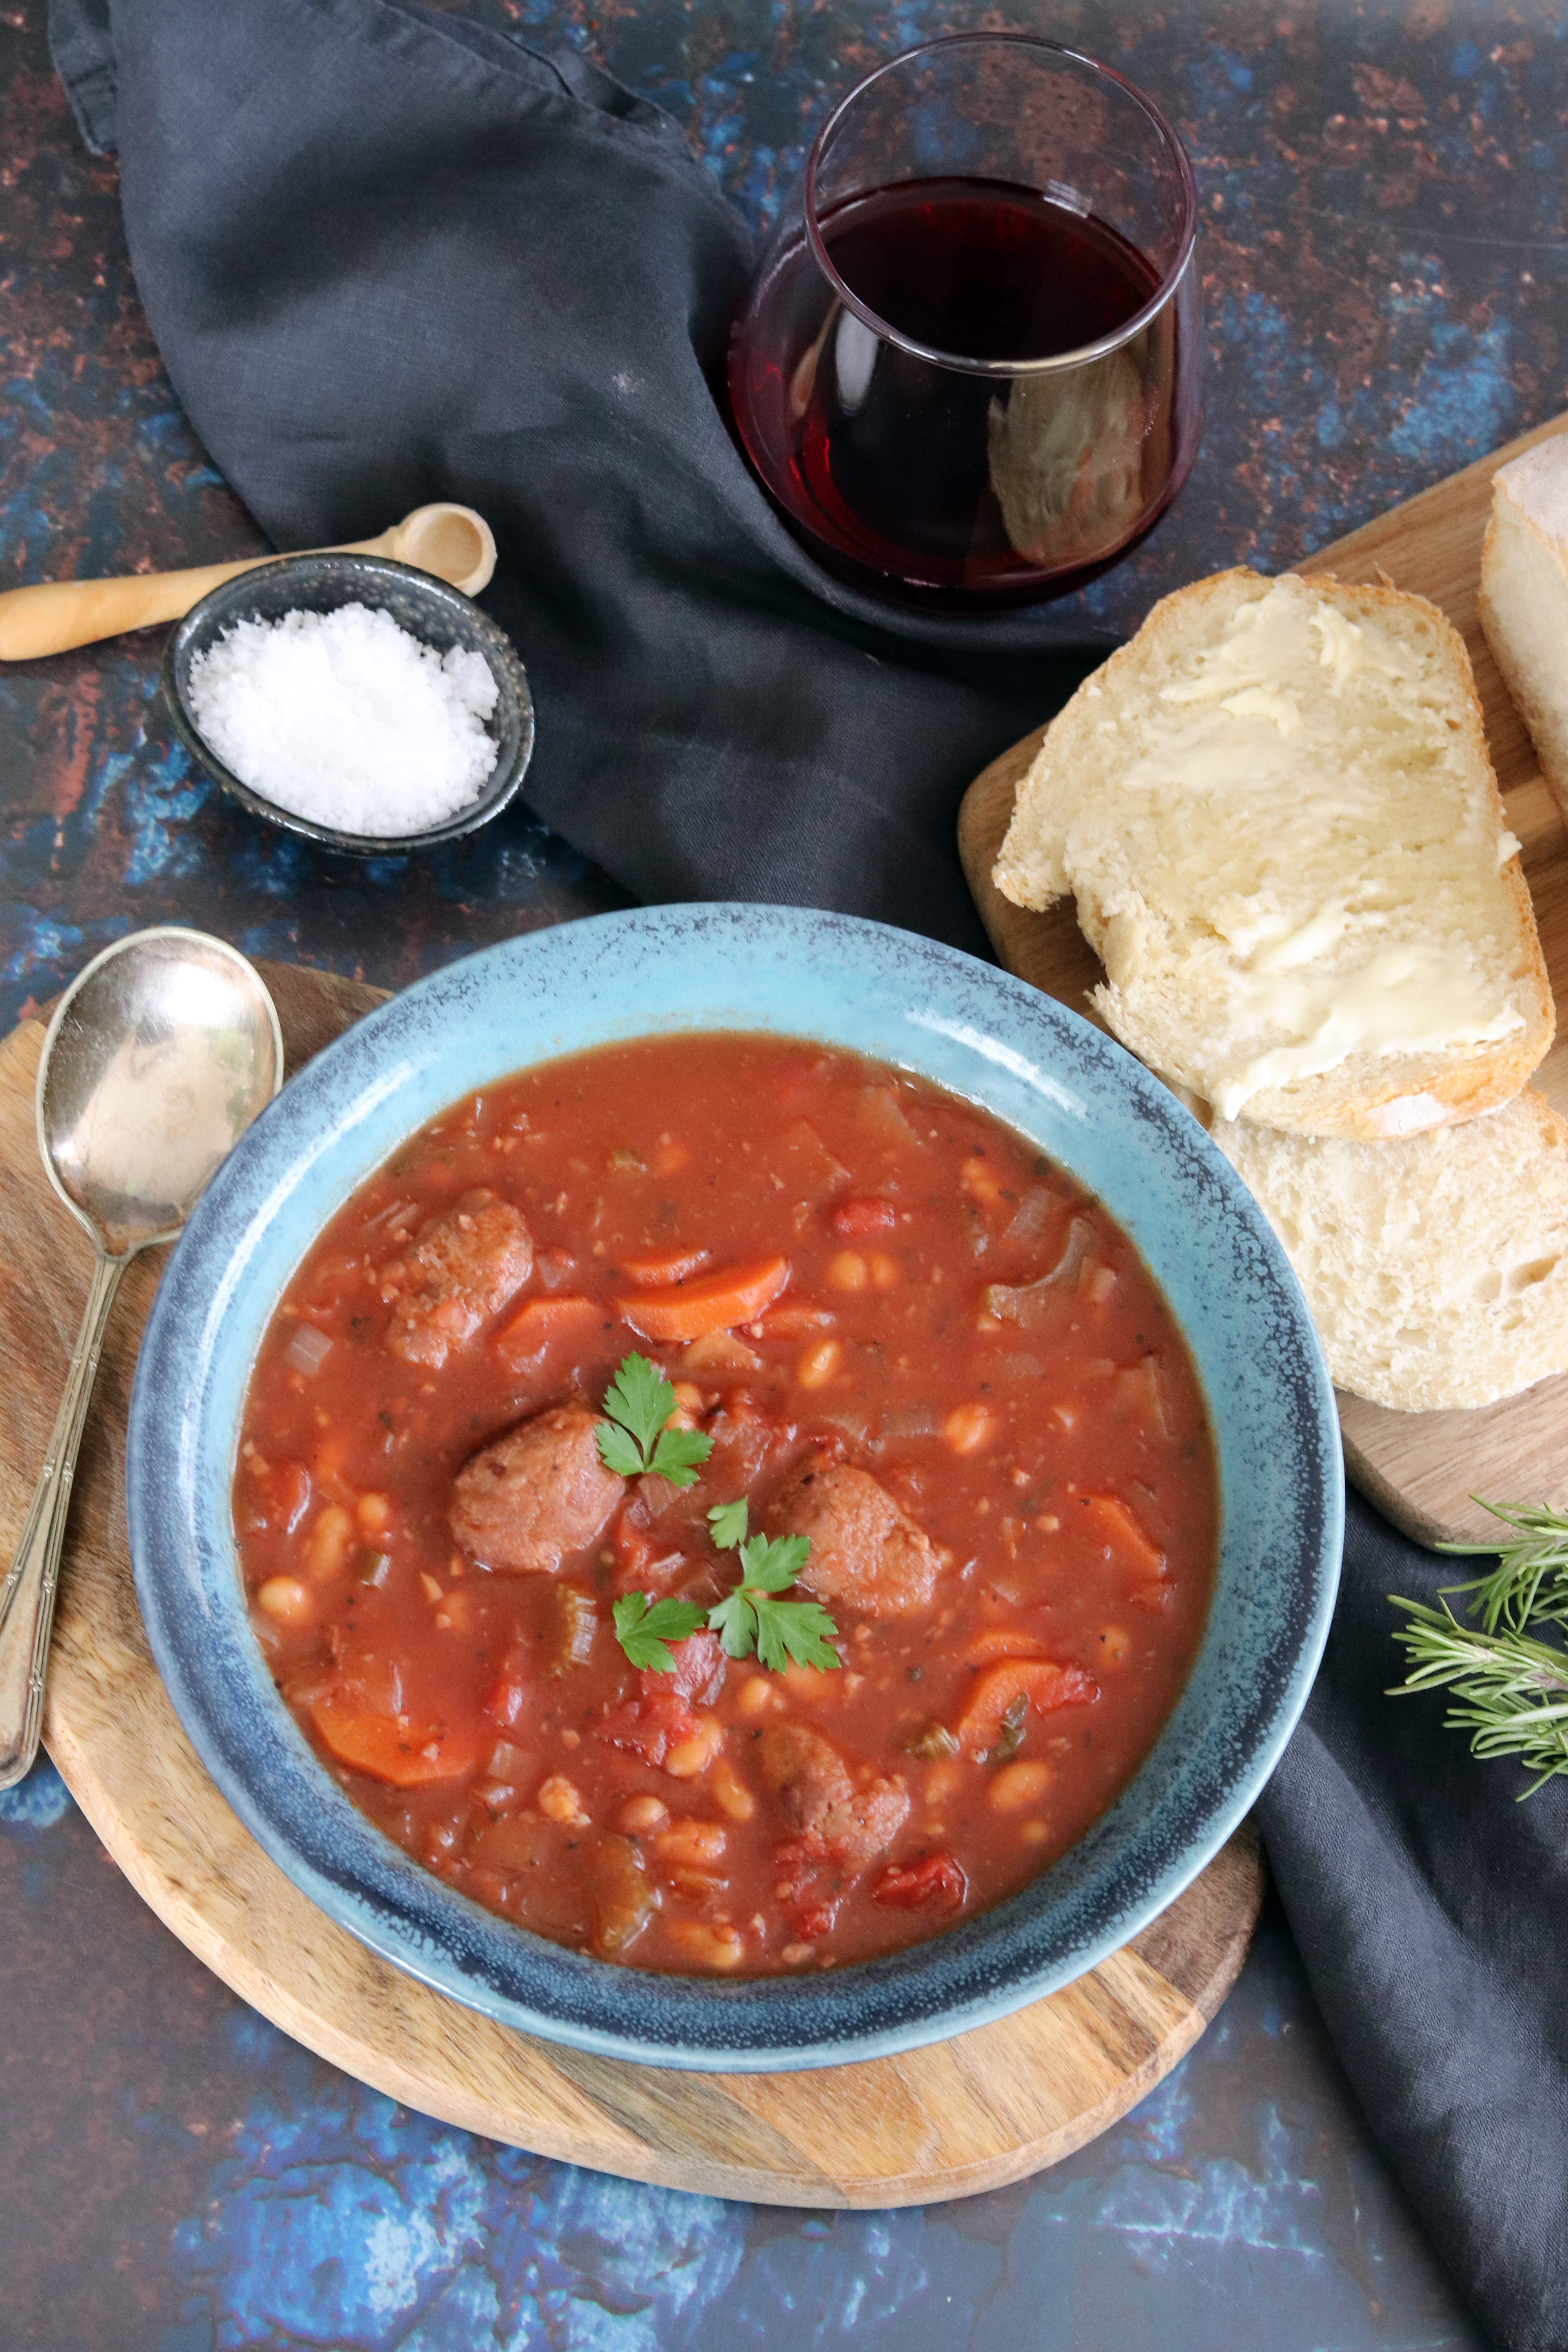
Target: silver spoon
159, 1057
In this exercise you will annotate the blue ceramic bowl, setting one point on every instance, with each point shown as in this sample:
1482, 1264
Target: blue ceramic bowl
924, 1008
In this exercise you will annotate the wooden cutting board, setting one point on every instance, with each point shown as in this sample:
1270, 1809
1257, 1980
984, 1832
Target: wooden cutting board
966, 2114
1421, 1468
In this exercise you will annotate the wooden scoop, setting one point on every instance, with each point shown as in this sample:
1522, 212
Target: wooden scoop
454, 542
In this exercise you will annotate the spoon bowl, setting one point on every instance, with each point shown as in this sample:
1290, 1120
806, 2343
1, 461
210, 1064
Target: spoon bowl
157, 1058
156, 1063
454, 542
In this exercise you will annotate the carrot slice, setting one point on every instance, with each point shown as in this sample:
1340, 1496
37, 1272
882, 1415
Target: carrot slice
542, 1322
670, 1265
1113, 1526
1002, 1642
737, 1296
1039, 1680
406, 1754
796, 1321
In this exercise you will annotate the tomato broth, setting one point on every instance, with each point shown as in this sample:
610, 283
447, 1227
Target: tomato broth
912, 1344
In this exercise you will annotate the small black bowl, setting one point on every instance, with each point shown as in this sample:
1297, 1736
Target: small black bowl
438, 615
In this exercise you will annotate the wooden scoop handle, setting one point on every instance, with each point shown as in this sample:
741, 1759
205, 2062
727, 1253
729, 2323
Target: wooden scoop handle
59, 614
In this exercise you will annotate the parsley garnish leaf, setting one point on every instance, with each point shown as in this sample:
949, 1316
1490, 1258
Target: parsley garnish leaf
773, 1567
728, 1523
643, 1628
732, 1619
620, 1453
677, 1454
794, 1629
752, 1619
633, 1440
641, 1400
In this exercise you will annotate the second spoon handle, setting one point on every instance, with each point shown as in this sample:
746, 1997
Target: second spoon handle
55, 614
27, 1596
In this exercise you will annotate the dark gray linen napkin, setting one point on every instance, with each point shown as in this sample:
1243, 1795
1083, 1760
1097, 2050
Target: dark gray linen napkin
1431, 1908
391, 258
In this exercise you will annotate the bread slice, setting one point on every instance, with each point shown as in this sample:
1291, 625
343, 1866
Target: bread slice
1276, 811
1524, 598
1435, 1266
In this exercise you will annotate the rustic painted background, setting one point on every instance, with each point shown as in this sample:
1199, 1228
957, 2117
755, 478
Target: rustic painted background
1385, 194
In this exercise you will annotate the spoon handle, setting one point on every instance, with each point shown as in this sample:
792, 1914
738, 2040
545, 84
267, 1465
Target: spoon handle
53, 615
27, 1596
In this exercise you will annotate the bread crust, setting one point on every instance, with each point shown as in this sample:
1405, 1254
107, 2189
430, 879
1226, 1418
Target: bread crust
1402, 1094
1540, 722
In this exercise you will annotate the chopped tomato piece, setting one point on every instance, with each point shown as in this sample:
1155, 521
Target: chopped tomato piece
651, 1726
645, 1560
672, 1266
699, 1669
738, 1296
1114, 1527
936, 1884
544, 1322
853, 1220
503, 1701
1043, 1684
810, 1910
392, 1748
815, 1921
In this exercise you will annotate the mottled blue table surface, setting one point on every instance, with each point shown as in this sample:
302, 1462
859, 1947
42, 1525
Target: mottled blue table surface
1384, 195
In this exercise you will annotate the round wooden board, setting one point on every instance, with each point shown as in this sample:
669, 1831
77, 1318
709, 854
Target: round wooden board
966, 2114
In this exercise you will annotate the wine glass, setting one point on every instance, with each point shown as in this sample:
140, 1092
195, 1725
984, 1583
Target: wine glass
970, 368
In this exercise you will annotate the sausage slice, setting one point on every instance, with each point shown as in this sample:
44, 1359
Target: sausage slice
817, 1797
462, 1269
537, 1496
865, 1548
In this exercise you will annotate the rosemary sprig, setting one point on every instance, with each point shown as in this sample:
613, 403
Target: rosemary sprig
1530, 1582
1512, 1689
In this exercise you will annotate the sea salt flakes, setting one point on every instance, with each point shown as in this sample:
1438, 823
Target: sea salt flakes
344, 719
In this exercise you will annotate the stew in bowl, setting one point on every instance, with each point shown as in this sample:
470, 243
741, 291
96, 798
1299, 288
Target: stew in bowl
919, 1379
748, 1490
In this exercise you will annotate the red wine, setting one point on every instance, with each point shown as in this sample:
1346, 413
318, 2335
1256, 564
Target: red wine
985, 270
934, 481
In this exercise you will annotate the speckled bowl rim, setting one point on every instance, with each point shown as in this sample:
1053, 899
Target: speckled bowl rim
926, 1008
235, 600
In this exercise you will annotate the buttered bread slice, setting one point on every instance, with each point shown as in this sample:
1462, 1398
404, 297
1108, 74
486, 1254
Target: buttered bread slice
1436, 1266
1276, 813
1523, 598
